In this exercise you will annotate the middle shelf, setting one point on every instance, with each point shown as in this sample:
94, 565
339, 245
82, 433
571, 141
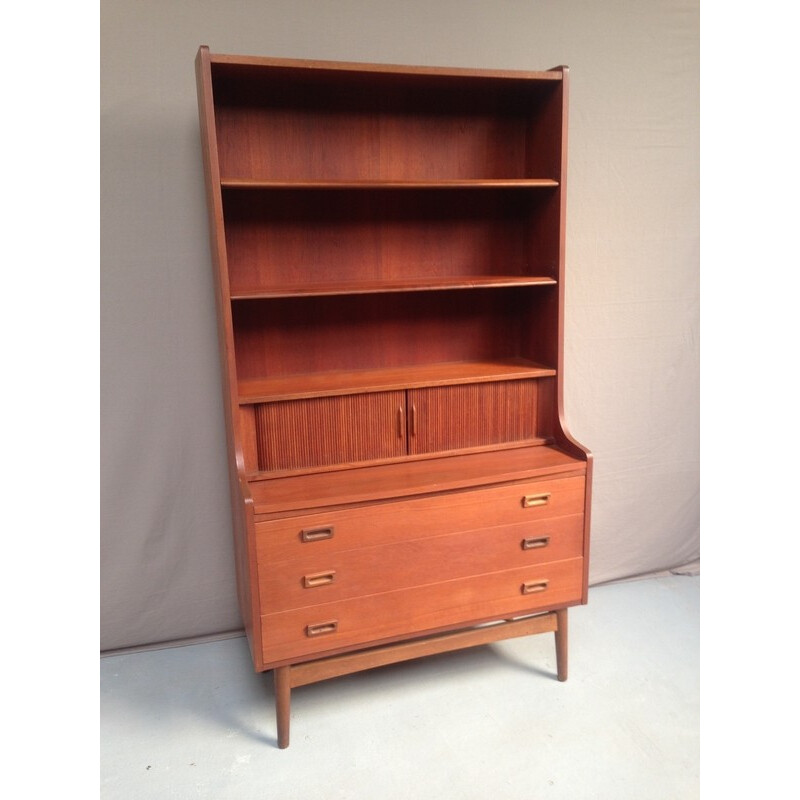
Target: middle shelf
484, 183
321, 288
339, 382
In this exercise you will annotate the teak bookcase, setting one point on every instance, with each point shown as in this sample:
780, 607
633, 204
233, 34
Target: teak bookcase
388, 245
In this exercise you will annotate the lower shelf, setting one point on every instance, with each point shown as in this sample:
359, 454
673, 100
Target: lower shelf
326, 384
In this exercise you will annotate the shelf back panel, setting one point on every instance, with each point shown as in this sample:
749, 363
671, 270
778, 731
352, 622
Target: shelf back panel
297, 236
273, 125
297, 336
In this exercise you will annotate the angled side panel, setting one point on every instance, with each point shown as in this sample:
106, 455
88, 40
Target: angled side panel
241, 501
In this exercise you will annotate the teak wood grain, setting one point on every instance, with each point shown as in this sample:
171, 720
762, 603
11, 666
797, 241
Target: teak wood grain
388, 245
329, 383
421, 608
281, 538
403, 564
401, 480
324, 430
423, 283
470, 415
294, 236
334, 666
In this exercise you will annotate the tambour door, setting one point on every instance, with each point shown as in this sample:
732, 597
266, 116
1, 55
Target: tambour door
471, 415
318, 431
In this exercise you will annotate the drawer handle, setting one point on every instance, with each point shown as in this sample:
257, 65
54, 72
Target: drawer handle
316, 534
534, 544
318, 579
531, 587
322, 628
532, 500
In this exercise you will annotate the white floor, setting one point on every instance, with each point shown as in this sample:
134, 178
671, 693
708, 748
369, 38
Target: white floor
491, 722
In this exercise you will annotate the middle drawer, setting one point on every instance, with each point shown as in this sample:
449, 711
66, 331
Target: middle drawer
326, 577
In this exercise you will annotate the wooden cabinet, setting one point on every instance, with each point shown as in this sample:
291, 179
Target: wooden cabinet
388, 246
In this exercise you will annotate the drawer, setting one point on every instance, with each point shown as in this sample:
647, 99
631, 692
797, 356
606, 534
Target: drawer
383, 523
299, 633
322, 577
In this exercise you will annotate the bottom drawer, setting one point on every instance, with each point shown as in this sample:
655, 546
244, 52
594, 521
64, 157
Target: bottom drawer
317, 629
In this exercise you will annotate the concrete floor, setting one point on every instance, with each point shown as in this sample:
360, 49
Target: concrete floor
491, 722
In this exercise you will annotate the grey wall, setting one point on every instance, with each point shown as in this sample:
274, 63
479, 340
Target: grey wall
632, 260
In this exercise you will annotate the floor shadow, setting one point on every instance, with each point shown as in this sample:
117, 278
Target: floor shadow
215, 681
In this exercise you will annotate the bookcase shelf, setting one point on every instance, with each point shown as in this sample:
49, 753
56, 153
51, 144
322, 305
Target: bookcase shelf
420, 284
387, 185
319, 384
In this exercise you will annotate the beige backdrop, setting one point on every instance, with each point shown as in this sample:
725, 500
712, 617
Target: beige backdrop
632, 263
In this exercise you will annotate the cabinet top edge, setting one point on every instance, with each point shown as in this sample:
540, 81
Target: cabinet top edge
310, 65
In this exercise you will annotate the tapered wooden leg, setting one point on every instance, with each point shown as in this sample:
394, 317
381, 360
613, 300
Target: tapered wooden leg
561, 643
283, 693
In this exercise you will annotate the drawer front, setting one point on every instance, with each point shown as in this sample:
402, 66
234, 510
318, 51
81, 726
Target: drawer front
383, 523
315, 630
322, 577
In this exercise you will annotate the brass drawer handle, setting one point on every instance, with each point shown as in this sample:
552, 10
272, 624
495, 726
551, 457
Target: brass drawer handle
318, 579
532, 500
322, 628
316, 534
531, 587
535, 544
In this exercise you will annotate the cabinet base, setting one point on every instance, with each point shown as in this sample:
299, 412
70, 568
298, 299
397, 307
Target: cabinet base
292, 676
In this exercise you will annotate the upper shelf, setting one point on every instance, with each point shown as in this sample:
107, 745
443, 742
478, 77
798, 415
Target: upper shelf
317, 384
499, 183
388, 286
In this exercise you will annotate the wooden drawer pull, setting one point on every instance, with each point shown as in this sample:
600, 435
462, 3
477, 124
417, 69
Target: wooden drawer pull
318, 579
531, 587
534, 544
316, 534
322, 628
400, 426
532, 500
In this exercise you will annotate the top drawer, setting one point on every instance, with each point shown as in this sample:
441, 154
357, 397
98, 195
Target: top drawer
382, 523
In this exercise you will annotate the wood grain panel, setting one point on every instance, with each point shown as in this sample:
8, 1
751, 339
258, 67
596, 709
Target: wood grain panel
245, 69
316, 384
423, 608
247, 427
302, 492
290, 126
296, 235
346, 664
471, 415
419, 518
403, 564
303, 335
330, 430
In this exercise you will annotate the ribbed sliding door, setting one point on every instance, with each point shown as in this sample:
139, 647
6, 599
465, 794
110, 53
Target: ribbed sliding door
319, 431
471, 415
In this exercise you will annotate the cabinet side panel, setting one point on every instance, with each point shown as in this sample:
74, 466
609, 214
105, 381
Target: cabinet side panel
247, 425
241, 501
330, 430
